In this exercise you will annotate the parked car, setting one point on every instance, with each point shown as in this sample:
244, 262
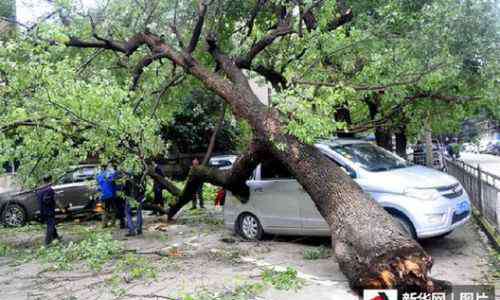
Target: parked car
75, 192
493, 148
469, 148
222, 162
424, 201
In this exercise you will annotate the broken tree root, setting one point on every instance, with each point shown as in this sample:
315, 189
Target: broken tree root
409, 273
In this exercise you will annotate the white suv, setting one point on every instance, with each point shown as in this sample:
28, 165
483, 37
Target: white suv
425, 202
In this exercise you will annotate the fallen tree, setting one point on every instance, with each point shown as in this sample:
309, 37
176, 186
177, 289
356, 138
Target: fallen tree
113, 101
372, 251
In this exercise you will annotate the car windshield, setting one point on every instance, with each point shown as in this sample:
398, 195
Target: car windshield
370, 157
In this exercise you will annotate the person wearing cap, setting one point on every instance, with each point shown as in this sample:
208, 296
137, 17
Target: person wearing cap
47, 203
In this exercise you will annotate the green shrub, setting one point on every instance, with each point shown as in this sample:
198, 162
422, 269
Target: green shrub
320, 252
4, 250
285, 280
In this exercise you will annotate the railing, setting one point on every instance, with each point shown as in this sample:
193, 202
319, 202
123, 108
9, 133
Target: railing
483, 189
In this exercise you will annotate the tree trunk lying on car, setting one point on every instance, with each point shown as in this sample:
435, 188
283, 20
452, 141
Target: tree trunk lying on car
372, 251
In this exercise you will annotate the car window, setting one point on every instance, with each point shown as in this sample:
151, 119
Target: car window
346, 168
369, 157
78, 175
274, 169
220, 163
84, 174
65, 179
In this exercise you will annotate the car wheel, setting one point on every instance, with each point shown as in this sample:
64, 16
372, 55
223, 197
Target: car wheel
249, 227
406, 225
14, 215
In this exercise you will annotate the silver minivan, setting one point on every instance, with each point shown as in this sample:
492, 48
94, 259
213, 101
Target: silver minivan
425, 202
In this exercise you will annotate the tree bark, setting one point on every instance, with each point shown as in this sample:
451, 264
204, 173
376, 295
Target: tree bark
401, 141
343, 114
383, 134
428, 143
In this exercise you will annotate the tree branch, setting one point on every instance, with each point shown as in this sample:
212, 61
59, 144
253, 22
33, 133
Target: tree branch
139, 68
202, 10
233, 180
246, 60
217, 128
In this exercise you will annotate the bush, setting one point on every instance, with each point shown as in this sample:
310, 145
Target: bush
320, 252
286, 280
4, 250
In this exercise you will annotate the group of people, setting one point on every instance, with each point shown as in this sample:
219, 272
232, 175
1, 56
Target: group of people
118, 192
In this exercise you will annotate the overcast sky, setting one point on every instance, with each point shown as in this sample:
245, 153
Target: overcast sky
28, 11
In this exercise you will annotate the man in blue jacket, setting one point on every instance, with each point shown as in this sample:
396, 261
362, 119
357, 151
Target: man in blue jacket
108, 194
47, 203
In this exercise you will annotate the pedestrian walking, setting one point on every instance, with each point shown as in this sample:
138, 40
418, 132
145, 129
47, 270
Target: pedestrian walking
47, 204
198, 196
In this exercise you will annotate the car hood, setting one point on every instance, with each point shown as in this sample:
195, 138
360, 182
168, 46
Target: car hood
398, 180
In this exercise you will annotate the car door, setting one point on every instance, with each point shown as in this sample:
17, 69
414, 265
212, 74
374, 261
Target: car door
71, 191
312, 221
84, 179
276, 198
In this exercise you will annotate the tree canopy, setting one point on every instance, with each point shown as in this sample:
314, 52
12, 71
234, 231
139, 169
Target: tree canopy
418, 57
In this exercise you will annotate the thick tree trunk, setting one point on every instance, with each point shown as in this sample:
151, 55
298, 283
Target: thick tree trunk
342, 114
383, 138
372, 251
428, 143
383, 135
401, 142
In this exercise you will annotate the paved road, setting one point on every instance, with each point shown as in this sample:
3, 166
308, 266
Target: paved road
487, 162
208, 263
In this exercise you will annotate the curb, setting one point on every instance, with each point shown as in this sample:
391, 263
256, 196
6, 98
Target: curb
488, 230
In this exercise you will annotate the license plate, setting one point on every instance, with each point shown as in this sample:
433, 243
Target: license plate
462, 207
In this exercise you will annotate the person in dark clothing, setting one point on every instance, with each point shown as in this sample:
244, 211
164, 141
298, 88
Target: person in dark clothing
198, 196
158, 202
47, 203
134, 189
119, 200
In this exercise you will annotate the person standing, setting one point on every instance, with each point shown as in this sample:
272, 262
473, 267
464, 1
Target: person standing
119, 200
108, 194
158, 202
134, 190
47, 204
198, 196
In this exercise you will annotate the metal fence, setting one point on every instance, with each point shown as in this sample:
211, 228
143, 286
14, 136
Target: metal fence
482, 187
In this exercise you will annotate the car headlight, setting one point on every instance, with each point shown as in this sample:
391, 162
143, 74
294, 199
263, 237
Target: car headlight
435, 218
423, 194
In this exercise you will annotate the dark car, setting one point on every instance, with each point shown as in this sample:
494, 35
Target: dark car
75, 192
